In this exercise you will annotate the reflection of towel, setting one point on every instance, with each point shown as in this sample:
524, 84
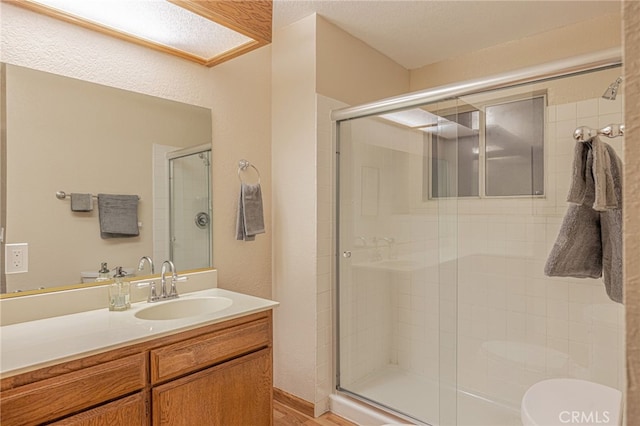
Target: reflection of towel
118, 215
250, 220
81, 202
589, 243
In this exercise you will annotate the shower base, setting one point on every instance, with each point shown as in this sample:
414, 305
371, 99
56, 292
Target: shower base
419, 398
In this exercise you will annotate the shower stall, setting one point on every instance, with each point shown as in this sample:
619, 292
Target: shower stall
448, 203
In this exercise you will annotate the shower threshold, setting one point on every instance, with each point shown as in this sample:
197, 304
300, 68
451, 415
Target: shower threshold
420, 398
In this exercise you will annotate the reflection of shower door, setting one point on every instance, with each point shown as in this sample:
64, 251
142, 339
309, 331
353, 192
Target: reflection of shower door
190, 210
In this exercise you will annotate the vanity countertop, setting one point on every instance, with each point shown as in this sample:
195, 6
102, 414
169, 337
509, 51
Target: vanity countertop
35, 344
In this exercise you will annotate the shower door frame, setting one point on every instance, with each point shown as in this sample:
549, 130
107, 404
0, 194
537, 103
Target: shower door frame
591, 62
185, 153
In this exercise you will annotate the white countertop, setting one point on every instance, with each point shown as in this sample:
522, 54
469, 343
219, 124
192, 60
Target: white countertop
30, 345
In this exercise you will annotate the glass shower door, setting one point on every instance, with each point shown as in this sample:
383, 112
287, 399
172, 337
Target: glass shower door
190, 210
396, 269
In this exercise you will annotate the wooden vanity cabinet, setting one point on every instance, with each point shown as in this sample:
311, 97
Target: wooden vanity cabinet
219, 374
237, 392
220, 378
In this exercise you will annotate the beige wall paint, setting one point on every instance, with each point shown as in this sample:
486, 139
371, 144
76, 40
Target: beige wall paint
240, 92
293, 156
598, 34
237, 92
632, 206
350, 71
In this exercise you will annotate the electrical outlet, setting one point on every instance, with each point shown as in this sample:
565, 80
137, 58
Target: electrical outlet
16, 258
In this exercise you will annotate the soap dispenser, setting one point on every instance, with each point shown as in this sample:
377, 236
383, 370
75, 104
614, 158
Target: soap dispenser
103, 273
119, 292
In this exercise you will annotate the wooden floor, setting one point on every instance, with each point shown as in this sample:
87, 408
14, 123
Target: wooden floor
285, 416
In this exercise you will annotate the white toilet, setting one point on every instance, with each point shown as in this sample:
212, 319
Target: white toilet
560, 402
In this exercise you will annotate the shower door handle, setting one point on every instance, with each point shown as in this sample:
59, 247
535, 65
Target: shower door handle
202, 220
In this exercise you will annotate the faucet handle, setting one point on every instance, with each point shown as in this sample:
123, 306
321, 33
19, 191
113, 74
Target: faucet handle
173, 292
153, 294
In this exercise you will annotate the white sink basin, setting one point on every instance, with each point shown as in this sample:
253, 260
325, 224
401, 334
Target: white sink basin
183, 308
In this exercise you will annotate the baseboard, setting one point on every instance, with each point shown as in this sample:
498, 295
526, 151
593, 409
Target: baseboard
292, 401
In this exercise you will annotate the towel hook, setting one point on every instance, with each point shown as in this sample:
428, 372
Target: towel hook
243, 165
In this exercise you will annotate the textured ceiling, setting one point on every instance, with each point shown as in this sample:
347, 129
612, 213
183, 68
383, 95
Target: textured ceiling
420, 32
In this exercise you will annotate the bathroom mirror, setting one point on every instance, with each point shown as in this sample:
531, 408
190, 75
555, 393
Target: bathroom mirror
74, 136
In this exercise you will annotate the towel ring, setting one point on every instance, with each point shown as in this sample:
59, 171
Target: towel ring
243, 165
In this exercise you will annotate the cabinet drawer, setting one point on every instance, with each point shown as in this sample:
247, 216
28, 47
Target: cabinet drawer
68, 393
202, 351
130, 411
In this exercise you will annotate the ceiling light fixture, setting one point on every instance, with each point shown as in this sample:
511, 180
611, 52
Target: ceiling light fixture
206, 32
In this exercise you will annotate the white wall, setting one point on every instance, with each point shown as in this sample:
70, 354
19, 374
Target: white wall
294, 207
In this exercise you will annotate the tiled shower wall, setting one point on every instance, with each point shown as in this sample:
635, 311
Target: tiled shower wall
517, 326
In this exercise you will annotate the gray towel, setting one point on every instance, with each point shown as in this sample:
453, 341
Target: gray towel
603, 176
589, 244
118, 215
250, 221
81, 202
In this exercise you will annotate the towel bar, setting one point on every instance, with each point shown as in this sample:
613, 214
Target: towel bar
584, 133
61, 195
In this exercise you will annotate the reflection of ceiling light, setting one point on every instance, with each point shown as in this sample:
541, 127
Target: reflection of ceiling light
195, 30
414, 118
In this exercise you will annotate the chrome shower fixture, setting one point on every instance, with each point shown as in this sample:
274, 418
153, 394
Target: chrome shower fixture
612, 90
204, 159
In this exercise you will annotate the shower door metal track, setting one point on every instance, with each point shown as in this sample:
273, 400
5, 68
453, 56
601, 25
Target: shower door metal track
604, 59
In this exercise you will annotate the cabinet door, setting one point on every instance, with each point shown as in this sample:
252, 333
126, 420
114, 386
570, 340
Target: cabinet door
237, 392
131, 411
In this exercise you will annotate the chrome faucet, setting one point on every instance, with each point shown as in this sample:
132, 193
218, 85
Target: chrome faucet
147, 259
173, 293
167, 266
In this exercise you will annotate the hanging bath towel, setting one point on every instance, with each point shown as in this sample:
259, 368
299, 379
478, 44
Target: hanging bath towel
118, 215
250, 221
589, 244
